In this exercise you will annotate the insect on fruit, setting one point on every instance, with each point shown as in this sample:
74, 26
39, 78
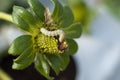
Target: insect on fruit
49, 23
58, 32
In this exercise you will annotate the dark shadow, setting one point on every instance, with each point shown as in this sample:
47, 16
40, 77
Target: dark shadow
31, 74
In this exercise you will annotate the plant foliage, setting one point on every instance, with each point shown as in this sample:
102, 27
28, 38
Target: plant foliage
45, 51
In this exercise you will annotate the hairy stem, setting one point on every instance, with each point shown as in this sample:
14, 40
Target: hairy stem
6, 17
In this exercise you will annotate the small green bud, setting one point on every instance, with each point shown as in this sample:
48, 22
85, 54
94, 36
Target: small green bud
51, 45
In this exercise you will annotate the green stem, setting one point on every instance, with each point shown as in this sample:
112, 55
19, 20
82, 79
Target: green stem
6, 17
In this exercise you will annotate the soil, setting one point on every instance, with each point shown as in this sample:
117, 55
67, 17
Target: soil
31, 74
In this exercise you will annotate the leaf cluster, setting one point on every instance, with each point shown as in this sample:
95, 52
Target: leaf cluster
31, 20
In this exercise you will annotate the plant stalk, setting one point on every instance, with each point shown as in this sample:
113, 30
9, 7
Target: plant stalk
5, 16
